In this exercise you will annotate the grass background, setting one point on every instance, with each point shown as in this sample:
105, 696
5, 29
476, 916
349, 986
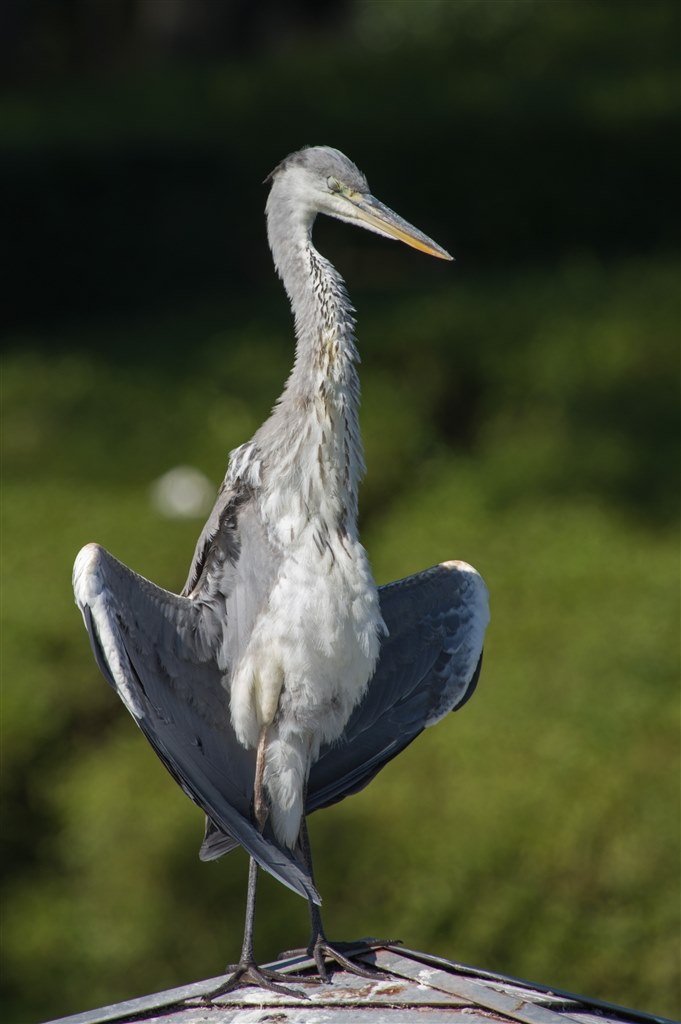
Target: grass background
519, 411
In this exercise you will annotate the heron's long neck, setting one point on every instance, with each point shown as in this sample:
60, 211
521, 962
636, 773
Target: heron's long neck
318, 410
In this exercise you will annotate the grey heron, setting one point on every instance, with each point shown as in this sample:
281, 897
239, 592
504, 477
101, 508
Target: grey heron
281, 679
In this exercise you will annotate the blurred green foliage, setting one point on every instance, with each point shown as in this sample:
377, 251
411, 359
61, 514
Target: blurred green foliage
519, 411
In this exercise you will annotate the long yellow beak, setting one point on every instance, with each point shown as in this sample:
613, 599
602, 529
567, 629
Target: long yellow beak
384, 220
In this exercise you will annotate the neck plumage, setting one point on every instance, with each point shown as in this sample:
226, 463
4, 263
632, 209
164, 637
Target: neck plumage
316, 417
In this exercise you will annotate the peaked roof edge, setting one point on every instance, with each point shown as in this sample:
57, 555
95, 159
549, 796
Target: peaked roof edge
151, 1004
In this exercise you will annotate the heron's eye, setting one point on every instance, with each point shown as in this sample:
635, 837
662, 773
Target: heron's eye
334, 184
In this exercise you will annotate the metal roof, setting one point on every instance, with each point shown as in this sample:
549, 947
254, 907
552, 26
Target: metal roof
412, 987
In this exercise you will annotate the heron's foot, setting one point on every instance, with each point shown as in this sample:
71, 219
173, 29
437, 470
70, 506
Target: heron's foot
322, 949
244, 974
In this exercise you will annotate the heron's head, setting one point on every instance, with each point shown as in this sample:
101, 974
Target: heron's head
320, 179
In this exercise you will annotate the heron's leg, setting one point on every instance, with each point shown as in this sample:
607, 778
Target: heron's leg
247, 971
260, 808
247, 953
319, 946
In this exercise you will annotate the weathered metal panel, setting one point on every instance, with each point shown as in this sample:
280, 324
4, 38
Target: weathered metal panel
135, 1009
474, 992
321, 1015
413, 987
602, 1010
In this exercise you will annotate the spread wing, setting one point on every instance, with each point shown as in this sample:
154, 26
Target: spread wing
162, 653
428, 666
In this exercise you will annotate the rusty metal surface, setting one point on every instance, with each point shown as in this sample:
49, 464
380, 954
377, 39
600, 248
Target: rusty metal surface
472, 991
542, 994
413, 987
263, 1011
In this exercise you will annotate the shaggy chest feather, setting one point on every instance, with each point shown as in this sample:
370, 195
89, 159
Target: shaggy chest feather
314, 644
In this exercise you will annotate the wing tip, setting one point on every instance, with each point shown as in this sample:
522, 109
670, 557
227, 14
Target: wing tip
458, 566
455, 565
86, 573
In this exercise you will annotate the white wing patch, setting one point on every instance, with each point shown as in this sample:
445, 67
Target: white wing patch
90, 589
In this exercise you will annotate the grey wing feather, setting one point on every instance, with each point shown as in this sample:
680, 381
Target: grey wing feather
217, 547
234, 567
158, 651
428, 666
216, 843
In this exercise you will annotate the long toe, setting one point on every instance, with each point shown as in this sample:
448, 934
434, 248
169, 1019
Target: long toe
251, 974
323, 949
279, 978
